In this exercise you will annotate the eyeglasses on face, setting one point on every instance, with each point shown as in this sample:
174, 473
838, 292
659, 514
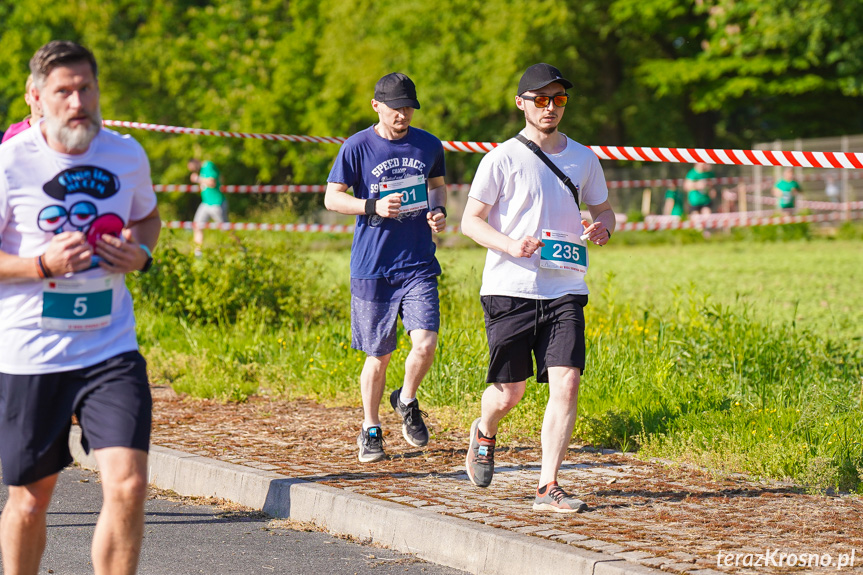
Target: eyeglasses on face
543, 101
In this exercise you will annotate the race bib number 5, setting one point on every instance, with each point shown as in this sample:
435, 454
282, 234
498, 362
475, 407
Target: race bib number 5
563, 251
73, 304
413, 190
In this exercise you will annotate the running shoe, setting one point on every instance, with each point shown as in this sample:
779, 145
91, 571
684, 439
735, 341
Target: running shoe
479, 460
552, 497
414, 428
371, 444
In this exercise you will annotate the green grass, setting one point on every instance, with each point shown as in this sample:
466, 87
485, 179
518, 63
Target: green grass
739, 355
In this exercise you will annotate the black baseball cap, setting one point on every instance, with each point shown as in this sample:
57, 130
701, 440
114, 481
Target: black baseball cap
397, 91
539, 76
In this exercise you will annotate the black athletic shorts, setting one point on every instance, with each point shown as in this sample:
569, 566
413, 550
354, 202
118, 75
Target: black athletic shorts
111, 400
551, 329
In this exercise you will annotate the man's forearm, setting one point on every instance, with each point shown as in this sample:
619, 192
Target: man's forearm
437, 197
484, 234
17, 268
147, 231
608, 219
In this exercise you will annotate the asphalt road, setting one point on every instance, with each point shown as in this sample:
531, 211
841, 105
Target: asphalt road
182, 538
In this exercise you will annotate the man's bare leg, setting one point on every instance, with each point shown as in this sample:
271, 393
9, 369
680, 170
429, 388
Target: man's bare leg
120, 528
373, 381
23, 530
419, 360
559, 419
497, 400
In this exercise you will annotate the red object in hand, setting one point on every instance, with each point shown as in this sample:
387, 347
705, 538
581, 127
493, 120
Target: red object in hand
107, 224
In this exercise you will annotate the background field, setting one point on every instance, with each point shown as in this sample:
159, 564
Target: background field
739, 354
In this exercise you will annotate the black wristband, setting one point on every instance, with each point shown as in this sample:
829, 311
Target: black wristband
441, 208
46, 273
371, 207
609, 233
149, 263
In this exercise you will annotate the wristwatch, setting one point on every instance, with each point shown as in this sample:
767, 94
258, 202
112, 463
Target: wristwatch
441, 208
149, 263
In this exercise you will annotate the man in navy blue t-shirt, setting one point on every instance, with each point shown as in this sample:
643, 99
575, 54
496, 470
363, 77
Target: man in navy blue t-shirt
399, 198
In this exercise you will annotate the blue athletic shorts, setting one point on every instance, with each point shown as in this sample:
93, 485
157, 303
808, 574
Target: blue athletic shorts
111, 400
551, 329
376, 306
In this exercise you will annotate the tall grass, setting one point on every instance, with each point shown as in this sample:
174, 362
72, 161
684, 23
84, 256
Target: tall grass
684, 369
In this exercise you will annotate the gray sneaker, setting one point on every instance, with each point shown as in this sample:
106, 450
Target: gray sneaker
479, 460
554, 498
414, 428
371, 444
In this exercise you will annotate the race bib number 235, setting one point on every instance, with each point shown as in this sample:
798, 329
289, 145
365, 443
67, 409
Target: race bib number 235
563, 251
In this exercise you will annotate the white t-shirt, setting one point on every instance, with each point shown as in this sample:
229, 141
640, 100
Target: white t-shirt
526, 198
44, 192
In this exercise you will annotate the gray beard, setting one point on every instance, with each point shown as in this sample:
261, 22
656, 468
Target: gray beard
78, 138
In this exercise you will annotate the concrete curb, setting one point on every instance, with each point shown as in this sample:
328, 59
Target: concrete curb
450, 541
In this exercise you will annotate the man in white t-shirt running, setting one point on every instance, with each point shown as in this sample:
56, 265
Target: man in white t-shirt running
77, 213
533, 290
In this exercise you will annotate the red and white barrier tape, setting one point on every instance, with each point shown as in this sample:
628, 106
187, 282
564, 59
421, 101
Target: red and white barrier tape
726, 180
676, 155
828, 206
338, 229
724, 221
220, 133
252, 189
714, 221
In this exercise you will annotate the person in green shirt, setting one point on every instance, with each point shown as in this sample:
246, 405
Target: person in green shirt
787, 189
673, 202
700, 191
214, 205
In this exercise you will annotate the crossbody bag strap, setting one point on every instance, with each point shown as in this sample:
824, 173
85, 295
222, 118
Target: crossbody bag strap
547, 161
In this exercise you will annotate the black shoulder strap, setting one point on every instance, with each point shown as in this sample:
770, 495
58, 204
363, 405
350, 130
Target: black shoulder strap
545, 159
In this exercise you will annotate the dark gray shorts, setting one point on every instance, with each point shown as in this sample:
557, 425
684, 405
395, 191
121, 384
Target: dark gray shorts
552, 330
373, 323
111, 400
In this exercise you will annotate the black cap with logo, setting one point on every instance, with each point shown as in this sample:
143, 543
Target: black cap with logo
397, 91
539, 76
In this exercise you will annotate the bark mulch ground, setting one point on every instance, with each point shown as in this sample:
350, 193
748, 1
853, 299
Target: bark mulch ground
660, 514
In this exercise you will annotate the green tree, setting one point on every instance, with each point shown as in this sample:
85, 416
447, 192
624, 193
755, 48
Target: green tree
785, 68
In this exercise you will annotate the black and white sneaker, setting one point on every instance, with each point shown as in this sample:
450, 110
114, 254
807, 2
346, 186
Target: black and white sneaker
371, 444
414, 428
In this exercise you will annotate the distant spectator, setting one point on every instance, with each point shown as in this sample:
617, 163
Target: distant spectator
32, 119
673, 202
787, 189
831, 189
699, 189
214, 205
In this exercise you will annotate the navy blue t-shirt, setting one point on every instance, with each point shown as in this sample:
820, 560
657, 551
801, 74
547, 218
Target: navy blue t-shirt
387, 247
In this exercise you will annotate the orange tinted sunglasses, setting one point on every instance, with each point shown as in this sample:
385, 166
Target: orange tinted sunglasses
543, 101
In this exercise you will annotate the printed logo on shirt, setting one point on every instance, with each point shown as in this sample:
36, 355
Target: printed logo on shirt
96, 182
82, 216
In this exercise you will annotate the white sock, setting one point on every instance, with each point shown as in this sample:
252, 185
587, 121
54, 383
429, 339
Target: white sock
366, 426
405, 399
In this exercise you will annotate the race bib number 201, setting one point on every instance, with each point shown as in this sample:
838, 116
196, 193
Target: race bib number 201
413, 190
563, 251
72, 304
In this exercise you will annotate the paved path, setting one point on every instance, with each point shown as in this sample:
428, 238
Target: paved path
644, 516
185, 539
